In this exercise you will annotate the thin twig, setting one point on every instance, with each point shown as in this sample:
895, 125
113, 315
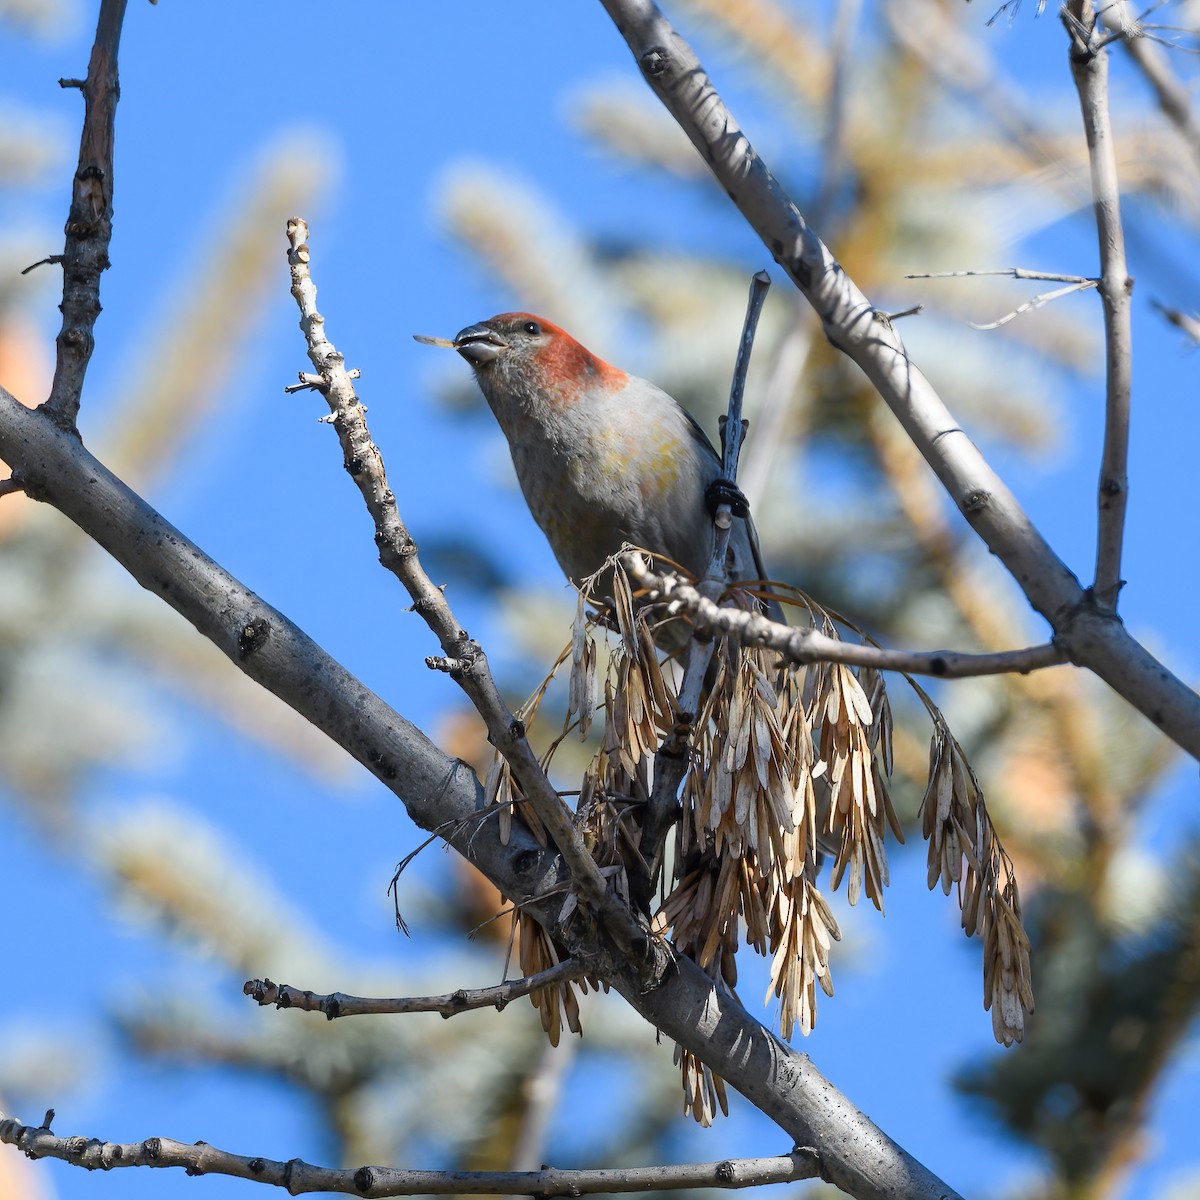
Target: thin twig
339, 1004
51, 260
663, 803
1089, 634
1042, 298
89, 222
12, 485
298, 1177
1089, 68
801, 644
1010, 272
464, 658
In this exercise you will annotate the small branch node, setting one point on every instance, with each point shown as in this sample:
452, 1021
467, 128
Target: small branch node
51, 260
308, 382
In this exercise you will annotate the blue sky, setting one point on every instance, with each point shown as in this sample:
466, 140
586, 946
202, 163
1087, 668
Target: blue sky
388, 95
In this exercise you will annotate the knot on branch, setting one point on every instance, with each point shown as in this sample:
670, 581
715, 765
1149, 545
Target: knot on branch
654, 62
253, 637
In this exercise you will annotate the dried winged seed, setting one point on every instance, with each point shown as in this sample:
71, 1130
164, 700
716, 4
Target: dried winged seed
579, 638
963, 792
854, 884
590, 691
1004, 941
888, 809
626, 762
721, 785
871, 881
879, 851
1025, 987
570, 1005
769, 696
968, 850
818, 901
1011, 909
829, 701
763, 744
495, 778
972, 893
739, 730
663, 700
719, 1088
947, 868
635, 699
999, 1032
933, 870
866, 783
883, 724
945, 789
928, 809
857, 697
623, 611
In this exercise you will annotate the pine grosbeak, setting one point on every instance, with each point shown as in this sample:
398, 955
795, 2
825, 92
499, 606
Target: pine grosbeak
602, 457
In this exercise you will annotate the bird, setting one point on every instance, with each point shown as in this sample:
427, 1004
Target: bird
603, 457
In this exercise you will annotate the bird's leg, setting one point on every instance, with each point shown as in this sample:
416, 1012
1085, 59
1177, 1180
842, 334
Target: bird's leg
725, 491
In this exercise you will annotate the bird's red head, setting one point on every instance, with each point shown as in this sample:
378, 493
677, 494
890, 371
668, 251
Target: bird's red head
524, 349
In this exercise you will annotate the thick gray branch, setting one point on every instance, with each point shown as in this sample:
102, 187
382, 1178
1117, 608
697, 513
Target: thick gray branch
1090, 636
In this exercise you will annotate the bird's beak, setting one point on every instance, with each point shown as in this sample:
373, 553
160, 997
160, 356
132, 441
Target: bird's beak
479, 345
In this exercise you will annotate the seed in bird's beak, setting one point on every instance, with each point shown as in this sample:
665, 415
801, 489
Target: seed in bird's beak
426, 340
479, 345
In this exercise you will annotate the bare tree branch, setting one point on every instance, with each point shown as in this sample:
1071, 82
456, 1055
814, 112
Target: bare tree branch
663, 805
338, 1004
299, 1177
804, 645
89, 223
1074, 283
1089, 69
465, 660
1091, 635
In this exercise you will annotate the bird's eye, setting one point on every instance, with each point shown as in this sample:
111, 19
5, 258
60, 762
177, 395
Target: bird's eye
532, 328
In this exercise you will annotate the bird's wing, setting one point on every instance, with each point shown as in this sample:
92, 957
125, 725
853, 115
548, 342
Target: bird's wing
696, 430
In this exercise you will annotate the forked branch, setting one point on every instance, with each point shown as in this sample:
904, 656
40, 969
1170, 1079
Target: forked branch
1088, 632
